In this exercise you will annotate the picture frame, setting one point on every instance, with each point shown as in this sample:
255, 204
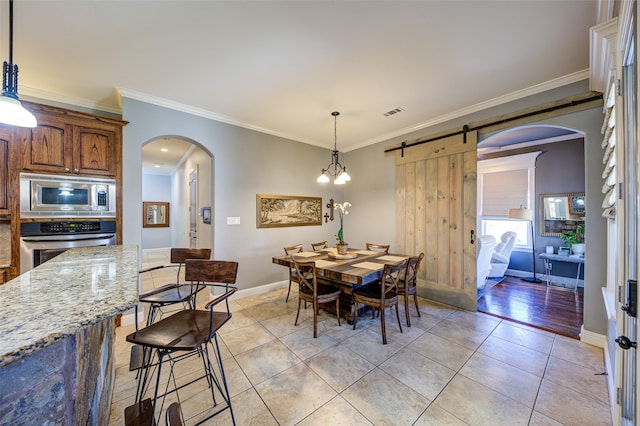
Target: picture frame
564, 251
155, 214
277, 211
206, 215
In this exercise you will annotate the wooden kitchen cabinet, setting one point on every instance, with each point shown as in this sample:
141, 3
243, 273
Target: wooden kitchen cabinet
5, 136
70, 143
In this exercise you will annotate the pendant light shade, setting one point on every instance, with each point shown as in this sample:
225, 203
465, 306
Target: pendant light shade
336, 170
11, 110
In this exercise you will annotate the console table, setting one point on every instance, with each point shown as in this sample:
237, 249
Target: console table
550, 258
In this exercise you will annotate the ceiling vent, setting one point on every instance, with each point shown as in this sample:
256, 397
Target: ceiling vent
392, 112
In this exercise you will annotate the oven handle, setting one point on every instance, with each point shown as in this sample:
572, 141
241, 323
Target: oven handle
67, 237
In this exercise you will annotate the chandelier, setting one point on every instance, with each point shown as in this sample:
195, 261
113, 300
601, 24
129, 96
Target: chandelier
11, 110
336, 170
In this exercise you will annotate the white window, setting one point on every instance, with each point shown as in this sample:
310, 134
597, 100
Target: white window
506, 183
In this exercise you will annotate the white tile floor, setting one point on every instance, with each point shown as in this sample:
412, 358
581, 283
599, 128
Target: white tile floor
451, 367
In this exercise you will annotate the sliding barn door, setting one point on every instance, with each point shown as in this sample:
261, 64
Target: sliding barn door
436, 214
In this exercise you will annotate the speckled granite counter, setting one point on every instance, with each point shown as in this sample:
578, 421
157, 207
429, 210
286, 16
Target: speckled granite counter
57, 334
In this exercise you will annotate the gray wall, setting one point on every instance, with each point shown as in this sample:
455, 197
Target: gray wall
247, 162
244, 163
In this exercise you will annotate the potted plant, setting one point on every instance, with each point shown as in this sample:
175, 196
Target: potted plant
574, 239
341, 245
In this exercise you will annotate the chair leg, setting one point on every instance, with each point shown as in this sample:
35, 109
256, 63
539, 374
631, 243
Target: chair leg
338, 310
315, 319
406, 309
415, 300
298, 314
398, 316
382, 325
288, 291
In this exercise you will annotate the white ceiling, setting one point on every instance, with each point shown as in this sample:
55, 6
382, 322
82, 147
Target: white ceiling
282, 67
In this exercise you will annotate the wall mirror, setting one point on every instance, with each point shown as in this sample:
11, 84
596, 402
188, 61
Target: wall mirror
155, 214
561, 213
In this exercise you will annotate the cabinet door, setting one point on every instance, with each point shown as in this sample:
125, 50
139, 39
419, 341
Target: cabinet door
94, 151
46, 149
4, 172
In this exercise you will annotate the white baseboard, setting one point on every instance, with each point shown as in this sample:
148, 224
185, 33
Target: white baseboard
128, 318
611, 381
555, 280
595, 339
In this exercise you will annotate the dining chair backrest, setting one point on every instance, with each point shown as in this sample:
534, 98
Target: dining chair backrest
292, 272
320, 245
378, 247
298, 248
306, 274
413, 267
391, 275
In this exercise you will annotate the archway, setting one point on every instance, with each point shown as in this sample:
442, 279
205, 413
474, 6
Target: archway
167, 164
556, 156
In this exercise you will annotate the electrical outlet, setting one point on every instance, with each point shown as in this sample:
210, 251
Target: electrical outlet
233, 221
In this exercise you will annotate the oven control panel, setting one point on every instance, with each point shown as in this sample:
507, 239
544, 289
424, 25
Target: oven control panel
67, 227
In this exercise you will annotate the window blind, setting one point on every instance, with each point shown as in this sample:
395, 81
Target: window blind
609, 158
502, 191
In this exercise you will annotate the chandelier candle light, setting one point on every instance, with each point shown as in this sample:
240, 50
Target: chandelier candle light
342, 211
335, 169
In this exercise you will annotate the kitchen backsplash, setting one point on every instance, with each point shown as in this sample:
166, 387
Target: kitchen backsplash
5, 242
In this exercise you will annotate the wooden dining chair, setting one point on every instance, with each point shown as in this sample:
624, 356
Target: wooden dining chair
407, 284
319, 246
312, 291
292, 272
187, 333
381, 294
383, 248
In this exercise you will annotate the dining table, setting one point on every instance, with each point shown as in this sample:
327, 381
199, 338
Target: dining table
347, 272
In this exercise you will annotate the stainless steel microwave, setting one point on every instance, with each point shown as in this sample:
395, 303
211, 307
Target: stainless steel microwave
66, 196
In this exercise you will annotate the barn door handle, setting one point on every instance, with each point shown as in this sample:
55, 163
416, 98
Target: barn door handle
473, 235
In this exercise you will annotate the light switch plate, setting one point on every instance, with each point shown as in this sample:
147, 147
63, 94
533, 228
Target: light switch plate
233, 221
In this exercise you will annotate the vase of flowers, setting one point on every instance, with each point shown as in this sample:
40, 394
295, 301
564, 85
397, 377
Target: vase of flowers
342, 210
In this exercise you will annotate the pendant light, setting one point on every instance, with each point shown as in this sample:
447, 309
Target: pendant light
11, 110
336, 170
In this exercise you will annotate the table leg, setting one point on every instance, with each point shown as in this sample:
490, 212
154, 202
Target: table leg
575, 289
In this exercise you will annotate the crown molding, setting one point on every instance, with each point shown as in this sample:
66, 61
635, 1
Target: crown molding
602, 44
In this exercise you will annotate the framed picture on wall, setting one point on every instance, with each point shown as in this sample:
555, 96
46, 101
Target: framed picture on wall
206, 215
273, 211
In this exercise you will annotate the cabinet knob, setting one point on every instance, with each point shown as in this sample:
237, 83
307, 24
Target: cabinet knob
66, 169
77, 170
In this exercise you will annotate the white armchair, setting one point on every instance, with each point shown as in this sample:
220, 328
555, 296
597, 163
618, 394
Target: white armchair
486, 244
502, 254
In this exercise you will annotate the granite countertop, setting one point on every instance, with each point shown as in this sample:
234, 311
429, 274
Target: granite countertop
78, 288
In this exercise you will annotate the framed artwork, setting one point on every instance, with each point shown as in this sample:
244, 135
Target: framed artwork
155, 214
206, 215
273, 211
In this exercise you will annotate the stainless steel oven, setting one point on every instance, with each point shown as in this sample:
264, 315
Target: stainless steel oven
41, 241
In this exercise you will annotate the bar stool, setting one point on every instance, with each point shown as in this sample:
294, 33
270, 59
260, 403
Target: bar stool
187, 333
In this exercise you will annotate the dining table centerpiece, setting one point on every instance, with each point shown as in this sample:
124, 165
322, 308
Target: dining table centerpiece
342, 209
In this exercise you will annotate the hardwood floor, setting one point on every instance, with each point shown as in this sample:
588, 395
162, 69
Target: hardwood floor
549, 308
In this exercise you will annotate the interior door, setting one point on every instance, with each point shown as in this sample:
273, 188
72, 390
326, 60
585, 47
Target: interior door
436, 214
193, 209
628, 236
